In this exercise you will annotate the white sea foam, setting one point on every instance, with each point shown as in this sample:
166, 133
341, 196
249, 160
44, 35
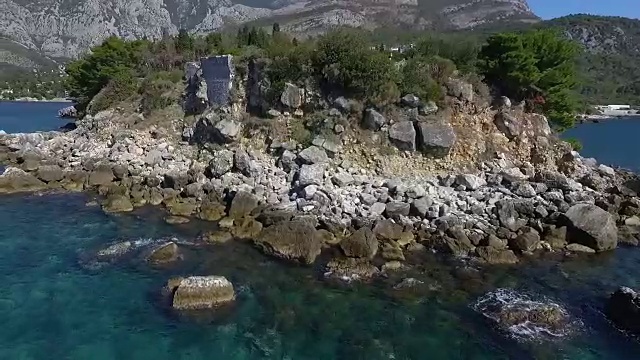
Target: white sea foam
496, 304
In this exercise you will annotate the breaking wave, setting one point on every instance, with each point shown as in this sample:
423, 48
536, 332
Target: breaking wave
524, 317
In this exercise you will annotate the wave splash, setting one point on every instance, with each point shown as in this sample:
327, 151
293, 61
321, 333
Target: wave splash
524, 317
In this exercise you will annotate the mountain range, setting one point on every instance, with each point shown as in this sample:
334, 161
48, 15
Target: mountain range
61, 29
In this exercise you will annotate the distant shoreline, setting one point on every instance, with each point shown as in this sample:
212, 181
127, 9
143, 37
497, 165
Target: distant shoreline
29, 100
584, 118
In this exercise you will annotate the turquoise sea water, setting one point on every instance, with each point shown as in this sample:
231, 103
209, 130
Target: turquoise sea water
16, 116
51, 307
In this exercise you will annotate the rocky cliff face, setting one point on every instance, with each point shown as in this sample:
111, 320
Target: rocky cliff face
66, 28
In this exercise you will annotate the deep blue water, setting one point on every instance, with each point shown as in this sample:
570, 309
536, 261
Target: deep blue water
51, 307
30, 116
613, 142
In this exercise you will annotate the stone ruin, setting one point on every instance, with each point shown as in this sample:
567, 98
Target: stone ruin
209, 83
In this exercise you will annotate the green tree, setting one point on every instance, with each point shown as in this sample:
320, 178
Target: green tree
276, 28
113, 58
536, 66
345, 61
184, 43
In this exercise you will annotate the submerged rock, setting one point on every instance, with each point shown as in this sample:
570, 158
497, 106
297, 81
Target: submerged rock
200, 292
523, 317
623, 309
164, 254
350, 269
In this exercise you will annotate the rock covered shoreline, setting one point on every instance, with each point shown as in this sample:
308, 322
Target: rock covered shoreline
489, 183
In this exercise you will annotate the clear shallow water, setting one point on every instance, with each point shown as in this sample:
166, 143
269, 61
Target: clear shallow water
613, 142
30, 116
52, 308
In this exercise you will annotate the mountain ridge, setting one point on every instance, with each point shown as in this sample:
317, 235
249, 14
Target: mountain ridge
67, 28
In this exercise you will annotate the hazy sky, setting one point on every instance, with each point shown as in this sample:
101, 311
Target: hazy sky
548, 9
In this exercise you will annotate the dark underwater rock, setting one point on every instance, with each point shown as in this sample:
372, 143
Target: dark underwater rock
623, 309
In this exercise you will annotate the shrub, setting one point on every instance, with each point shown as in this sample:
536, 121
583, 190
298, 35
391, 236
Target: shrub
120, 87
344, 61
537, 66
575, 144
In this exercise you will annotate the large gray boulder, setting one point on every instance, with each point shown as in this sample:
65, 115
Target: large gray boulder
403, 135
470, 181
591, 226
221, 163
216, 128
460, 89
373, 120
292, 96
50, 173
311, 174
508, 124
313, 155
435, 139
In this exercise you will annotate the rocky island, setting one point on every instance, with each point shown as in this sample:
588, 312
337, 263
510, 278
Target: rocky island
316, 169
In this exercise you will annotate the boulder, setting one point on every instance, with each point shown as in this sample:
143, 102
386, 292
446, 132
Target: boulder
411, 100
313, 155
494, 256
246, 228
513, 175
211, 210
291, 240
470, 182
556, 237
591, 226
15, 180
164, 254
227, 130
460, 89
387, 229
623, 308
403, 135
397, 208
435, 139
74, 180
68, 112
311, 174
242, 205
292, 96
577, 248
420, 207
350, 269
508, 124
117, 203
553, 179
343, 104
457, 246
242, 162
527, 241
373, 120
175, 180
200, 292
342, 179
101, 175
176, 220
217, 237
361, 244
221, 163
50, 173
507, 215
523, 316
